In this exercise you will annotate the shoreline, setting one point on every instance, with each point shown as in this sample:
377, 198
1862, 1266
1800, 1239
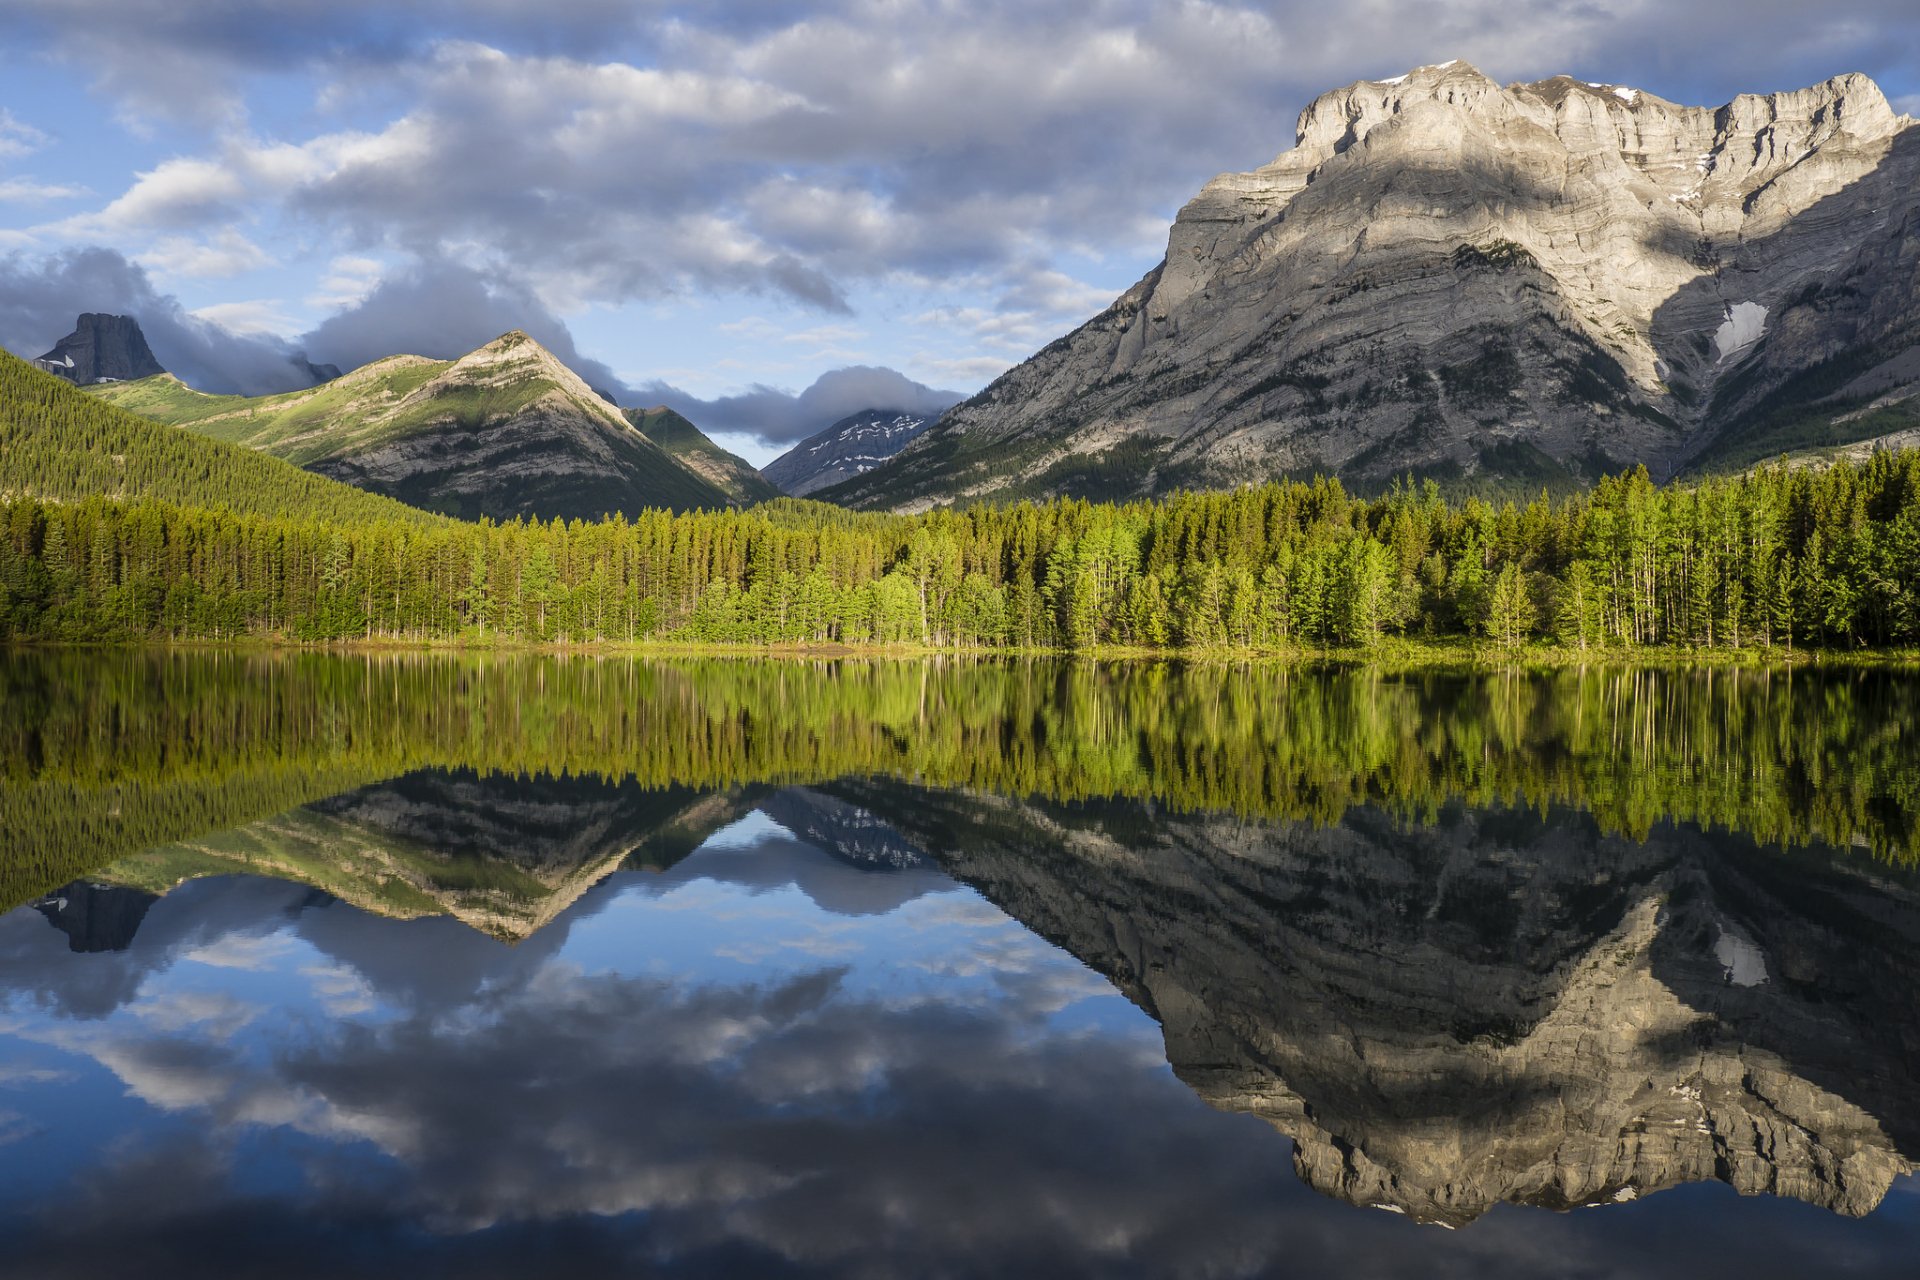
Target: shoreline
1401, 654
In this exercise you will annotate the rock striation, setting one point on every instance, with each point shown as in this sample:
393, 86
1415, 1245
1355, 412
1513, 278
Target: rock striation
850, 447
102, 348
505, 431
1497, 1008
1453, 277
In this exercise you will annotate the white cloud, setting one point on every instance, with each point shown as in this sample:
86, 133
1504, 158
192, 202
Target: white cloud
348, 281
27, 191
178, 193
17, 138
227, 253
257, 316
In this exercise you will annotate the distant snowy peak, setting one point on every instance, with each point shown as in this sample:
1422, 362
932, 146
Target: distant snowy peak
850, 447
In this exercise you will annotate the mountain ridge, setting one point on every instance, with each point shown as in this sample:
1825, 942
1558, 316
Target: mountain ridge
1452, 277
845, 449
505, 431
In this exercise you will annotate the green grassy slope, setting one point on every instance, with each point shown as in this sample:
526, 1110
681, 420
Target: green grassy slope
507, 430
57, 442
694, 450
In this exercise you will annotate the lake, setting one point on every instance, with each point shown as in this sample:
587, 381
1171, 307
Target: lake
416, 966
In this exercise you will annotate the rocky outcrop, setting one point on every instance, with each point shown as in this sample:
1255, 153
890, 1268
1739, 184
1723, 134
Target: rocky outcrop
691, 448
1448, 276
96, 917
1495, 1009
850, 447
102, 348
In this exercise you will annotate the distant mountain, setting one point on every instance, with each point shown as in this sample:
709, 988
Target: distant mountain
503, 855
59, 443
850, 447
504, 431
101, 348
1541, 281
689, 445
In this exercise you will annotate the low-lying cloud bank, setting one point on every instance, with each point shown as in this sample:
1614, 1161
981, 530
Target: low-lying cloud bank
781, 418
434, 308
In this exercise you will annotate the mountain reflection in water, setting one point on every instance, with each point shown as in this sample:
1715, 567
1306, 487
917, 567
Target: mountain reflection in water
455, 1020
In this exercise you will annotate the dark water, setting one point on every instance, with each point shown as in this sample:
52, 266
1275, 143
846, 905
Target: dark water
410, 967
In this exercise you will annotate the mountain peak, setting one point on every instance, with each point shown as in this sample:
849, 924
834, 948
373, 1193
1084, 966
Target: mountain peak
102, 348
1550, 279
516, 356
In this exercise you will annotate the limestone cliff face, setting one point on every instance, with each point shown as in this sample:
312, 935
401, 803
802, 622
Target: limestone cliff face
1494, 1009
1450, 275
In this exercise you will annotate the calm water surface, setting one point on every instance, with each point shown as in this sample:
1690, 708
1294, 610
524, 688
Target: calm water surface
322, 966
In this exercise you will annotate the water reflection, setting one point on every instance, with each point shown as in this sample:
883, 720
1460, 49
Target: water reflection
461, 1020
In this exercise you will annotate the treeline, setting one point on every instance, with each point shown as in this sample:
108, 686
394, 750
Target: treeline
1778, 558
106, 754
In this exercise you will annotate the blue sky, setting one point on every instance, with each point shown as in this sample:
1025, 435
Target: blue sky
717, 198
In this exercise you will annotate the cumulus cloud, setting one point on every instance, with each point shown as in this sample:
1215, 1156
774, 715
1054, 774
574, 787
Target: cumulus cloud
227, 253
41, 296
443, 310
593, 152
436, 309
779, 417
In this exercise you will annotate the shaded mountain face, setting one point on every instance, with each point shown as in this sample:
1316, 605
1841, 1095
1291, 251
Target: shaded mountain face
1454, 278
850, 447
503, 854
691, 448
102, 348
843, 830
96, 917
504, 431
1498, 1008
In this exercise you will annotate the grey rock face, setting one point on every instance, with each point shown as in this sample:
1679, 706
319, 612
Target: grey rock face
1495, 1009
1448, 275
846, 831
96, 917
850, 447
102, 348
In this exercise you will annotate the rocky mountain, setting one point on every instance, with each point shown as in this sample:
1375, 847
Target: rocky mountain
850, 447
843, 830
1503, 1007
1451, 277
504, 431
101, 348
96, 917
502, 854
690, 446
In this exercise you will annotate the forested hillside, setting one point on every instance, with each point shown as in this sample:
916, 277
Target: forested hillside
1779, 558
59, 444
